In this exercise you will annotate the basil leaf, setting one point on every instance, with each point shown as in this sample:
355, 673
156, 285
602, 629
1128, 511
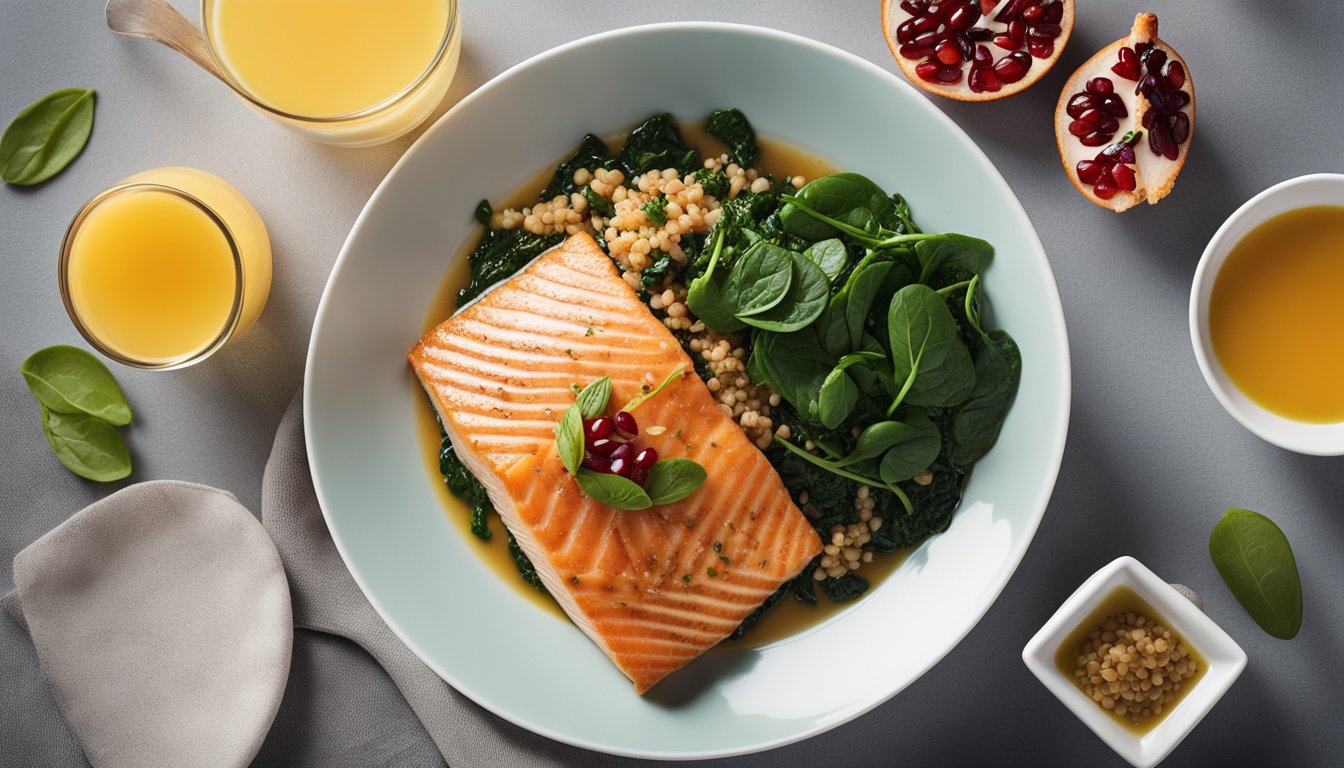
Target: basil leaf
88, 447
1255, 560
613, 490
593, 400
759, 280
569, 438
830, 256
673, 480
639, 399
976, 423
46, 136
67, 379
926, 350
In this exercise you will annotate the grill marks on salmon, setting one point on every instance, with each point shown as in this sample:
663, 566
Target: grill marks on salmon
652, 588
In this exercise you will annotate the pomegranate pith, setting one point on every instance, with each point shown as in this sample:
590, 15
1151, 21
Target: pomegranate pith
976, 50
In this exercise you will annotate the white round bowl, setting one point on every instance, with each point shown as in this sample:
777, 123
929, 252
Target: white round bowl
1298, 436
423, 576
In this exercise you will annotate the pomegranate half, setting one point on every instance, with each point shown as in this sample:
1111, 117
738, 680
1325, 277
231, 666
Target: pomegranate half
1125, 120
976, 50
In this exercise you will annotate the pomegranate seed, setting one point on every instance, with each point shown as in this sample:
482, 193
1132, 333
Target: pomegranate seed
1052, 12
1044, 31
1126, 155
1041, 49
626, 424
1154, 58
949, 75
1013, 67
622, 451
1124, 177
939, 10
987, 5
1017, 30
1177, 100
1106, 177
1147, 85
1161, 144
1113, 106
1139, 48
983, 79
965, 46
947, 53
979, 34
1103, 190
1010, 10
620, 467
906, 32
1094, 139
923, 24
1080, 103
595, 429
928, 71
1091, 117
1176, 74
638, 475
1033, 14
963, 18
1148, 118
646, 458
983, 57
1180, 128
912, 7
1089, 171
603, 447
1100, 85
920, 47
1007, 43
1128, 64
597, 464
1079, 128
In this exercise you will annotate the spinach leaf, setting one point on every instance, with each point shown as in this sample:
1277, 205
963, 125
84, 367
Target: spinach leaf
89, 447
876, 438
759, 280
612, 490
484, 212
976, 423
600, 205
842, 588
715, 183
930, 361
770, 602
1255, 560
593, 399
809, 293
656, 211
569, 438
834, 196
67, 379
862, 287
525, 567
731, 127
465, 486
499, 255
794, 365
46, 136
912, 455
591, 154
837, 398
672, 480
656, 144
653, 275
705, 297
900, 220
830, 256
952, 250
930, 508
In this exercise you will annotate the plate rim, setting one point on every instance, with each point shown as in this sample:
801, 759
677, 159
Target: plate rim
1013, 559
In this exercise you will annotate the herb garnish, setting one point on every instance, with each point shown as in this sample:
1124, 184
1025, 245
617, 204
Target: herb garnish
46, 136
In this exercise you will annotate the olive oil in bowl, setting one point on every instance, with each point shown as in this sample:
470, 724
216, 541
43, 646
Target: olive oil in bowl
1274, 314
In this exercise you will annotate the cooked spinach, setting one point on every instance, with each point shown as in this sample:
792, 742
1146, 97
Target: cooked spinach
525, 567
846, 587
500, 253
466, 487
591, 154
654, 275
656, 144
656, 211
715, 183
731, 127
600, 205
770, 602
483, 212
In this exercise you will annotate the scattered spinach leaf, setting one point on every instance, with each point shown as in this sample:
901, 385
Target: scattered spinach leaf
67, 379
731, 127
1255, 560
704, 296
501, 253
600, 205
912, 455
46, 136
837, 398
833, 196
656, 211
89, 447
673, 480
653, 275
952, 250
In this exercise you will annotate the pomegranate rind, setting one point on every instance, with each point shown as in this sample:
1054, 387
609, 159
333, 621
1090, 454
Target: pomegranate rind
893, 15
1156, 175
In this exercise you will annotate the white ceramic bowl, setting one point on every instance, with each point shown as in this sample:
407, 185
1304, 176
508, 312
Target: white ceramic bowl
416, 567
1224, 657
1299, 436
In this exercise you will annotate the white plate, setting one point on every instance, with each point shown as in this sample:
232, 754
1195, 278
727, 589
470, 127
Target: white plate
480, 634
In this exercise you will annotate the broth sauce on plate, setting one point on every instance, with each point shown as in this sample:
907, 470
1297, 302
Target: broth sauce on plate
1274, 314
789, 617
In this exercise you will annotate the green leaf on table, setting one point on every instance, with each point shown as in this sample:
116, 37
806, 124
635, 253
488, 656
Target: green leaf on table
89, 447
67, 379
672, 480
46, 136
1256, 562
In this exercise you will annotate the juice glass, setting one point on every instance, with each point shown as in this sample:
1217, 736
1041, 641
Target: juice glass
163, 269
346, 72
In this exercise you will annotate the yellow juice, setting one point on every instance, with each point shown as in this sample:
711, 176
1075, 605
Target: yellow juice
328, 60
161, 270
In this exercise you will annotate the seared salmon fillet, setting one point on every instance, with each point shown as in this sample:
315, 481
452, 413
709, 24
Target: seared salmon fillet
653, 588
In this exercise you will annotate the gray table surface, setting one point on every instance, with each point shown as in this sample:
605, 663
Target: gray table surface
1152, 460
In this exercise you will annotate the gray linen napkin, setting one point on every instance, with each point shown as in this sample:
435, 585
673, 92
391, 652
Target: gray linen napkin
162, 624
327, 599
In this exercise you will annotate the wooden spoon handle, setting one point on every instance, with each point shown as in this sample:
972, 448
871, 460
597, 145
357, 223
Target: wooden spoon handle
158, 21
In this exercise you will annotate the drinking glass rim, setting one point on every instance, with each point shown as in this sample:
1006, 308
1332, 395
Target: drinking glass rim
406, 91
63, 273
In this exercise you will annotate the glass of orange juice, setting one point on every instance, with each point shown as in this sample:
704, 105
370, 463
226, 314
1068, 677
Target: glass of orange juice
348, 72
163, 269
